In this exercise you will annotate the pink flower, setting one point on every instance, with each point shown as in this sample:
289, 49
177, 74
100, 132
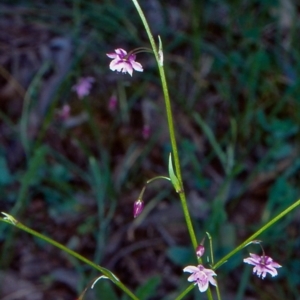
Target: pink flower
64, 113
112, 104
138, 207
263, 265
123, 62
201, 276
83, 86
146, 131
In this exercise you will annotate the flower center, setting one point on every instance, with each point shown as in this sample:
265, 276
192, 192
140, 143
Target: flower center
201, 278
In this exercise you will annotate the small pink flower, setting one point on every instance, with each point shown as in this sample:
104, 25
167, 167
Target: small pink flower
263, 265
112, 104
138, 207
83, 86
123, 62
201, 276
146, 131
64, 113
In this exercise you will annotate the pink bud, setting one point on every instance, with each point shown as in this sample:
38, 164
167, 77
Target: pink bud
112, 104
64, 113
200, 250
138, 207
146, 131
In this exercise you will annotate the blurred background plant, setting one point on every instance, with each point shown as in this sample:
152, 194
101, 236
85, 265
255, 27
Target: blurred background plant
72, 168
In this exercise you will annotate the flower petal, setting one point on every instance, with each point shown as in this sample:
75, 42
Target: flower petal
137, 66
190, 269
203, 287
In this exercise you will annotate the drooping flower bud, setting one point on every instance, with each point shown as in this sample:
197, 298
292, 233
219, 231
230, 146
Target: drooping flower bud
200, 250
138, 207
112, 104
64, 113
146, 131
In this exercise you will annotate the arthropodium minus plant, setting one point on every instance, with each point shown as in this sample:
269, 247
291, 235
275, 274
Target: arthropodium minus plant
200, 276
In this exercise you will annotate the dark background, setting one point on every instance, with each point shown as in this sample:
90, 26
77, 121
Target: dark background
233, 74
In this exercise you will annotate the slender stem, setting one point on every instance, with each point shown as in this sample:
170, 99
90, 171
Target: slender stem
256, 234
210, 248
185, 292
171, 132
149, 181
170, 125
10, 220
212, 262
218, 291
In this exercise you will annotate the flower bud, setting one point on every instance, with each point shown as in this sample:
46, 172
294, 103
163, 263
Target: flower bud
146, 132
112, 104
200, 250
138, 207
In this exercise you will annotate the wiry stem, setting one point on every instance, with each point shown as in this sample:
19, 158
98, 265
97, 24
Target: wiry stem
256, 234
11, 220
182, 195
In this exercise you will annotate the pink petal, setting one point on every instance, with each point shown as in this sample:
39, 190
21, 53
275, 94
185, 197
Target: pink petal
191, 269
121, 52
203, 287
112, 55
137, 66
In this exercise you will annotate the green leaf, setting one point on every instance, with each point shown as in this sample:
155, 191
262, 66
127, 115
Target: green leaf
5, 175
148, 289
181, 256
104, 290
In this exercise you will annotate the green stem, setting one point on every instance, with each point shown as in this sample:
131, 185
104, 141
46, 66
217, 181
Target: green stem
218, 291
256, 234
170, 125
12, 221
149, 181
212, 262
185, 292
157, 177
171, 132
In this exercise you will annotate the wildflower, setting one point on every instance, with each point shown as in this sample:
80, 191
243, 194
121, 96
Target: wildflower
83, 86
146, 131
123, 62
112, 104
200, 250
138, 207
201, 276
263, 265
64, 113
